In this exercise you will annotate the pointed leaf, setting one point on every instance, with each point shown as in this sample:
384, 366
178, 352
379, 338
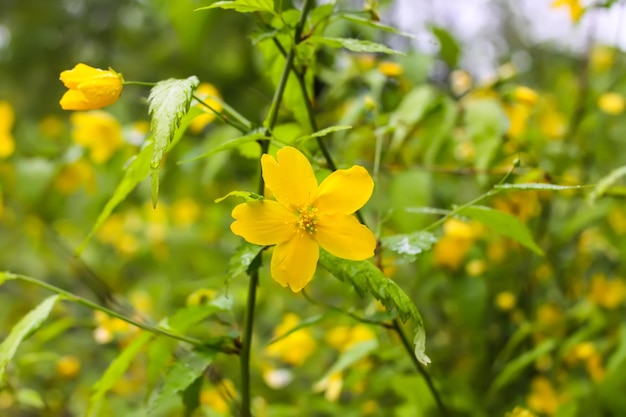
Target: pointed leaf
322, 133
114, 372
229, 144
503, 223
355, 18
605, 183
351, 356
243, 6
180, 376
168, 102
136, 171
246, 195
366, 278
354, 45
24, 328
410, 245
241, 260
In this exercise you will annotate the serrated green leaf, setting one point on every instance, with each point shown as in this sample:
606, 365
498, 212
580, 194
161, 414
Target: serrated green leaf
321, 133
242, 258
355, 18
243, 6
246, 195
503, 223
114, 372
24, 328
517, 365
539, 187
354, 45
605, 183
351, 356
409, 245
229, 144
180, 376
366, 278
168, 103
136, 171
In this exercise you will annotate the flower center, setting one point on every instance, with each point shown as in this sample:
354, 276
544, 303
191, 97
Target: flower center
307, 219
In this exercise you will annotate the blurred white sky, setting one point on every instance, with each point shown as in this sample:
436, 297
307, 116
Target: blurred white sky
477, 24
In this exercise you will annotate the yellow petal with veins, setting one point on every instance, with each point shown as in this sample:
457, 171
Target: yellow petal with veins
263, 222
294, 262
343, 236
291, 178
345, 191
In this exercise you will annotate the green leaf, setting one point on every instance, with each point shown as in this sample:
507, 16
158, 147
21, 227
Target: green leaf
485, 123
412, 109
366, 278
354, 45
539, 187
114, 372
136, 171
24, 328
242, 259
449, 48
322, 133
517, 365
229, 144
355, 18
168, 102
188, 316
301, 325
191, 396
184, 372
243, 6
605, 183
246, 195
503, 223
410, 245
351, 356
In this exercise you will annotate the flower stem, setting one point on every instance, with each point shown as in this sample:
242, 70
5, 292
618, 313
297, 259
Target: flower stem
83, 301
397, 327
234, 119
141, 83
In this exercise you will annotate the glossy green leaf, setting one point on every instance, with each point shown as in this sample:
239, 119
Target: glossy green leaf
366, 278
241, 260
24, 328
114, 372
246, 195
168, 103
183, 372
409, 246
605, 183
242, 6
354, 45
136, 171
504, 224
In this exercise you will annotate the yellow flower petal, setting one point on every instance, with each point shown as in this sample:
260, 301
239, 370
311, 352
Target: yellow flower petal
90, 88
294, 262
7, 145
343, 236
264, 222
291, 178
345, 191
74, 100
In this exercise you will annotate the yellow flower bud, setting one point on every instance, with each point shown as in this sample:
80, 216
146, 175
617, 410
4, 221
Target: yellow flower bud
90, 88
525, 95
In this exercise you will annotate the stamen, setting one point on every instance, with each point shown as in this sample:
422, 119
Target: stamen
307, 219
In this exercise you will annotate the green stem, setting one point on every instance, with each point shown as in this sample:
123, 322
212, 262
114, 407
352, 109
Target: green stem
231, 119
247, 344
141, 83
397, 327
346, 313
94, 306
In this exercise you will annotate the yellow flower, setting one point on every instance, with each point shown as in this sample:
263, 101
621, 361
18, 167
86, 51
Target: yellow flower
7, 118
295, 348
343, 338
219, 397
68, 367
185, 212
575, 8
505, 300
97, 131
206, 92
451, 249
611, 103
390, 69
520, 412
90, 88
306, 216
543, 398
75, 175
609, 294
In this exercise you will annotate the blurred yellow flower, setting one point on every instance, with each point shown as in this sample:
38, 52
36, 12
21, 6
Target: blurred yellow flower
74, 175
331, 386
609, 294
506, 300
602, 58
476, 267
97, 131
552, 122
306, 216
219, 397
108, 327
611, 103
211, 96
575, 8
343, 338
117, 231
185, 211
68, 367
90, 88
525, 95
295, 348
520, 412
390, 69
460, 81
458, 238
543, 397
7, 118
201, 296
